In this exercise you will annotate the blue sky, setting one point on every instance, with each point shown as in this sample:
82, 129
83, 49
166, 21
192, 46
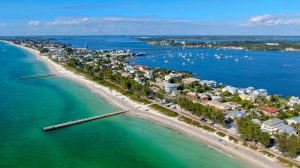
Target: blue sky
161, 17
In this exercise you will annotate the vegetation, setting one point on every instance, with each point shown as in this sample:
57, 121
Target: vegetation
221, 134
252, 132
164, 110
202, 110
231, 138
288, 145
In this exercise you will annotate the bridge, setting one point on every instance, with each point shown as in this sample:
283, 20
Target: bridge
70, 123
38, 76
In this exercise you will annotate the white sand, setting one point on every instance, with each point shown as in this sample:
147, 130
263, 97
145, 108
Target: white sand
246, 156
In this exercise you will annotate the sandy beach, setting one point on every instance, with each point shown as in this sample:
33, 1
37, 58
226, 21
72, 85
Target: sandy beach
247, 157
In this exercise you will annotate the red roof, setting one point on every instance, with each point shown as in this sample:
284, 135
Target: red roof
268, 109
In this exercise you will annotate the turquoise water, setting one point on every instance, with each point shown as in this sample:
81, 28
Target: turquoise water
26, 106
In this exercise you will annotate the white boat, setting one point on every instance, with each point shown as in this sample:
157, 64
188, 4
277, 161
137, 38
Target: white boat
166, 61
236, 60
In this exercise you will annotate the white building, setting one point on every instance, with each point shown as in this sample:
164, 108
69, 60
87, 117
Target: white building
287, 129
208, 83
230, 89
170, 87
293, 120
293, 100
272, 125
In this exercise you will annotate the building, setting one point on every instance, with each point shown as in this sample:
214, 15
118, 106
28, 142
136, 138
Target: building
234, 105
210, 83
251, 97
293, 120
170, 87
268, 110
149, 74
189, 80
287, 129
230, 89
235, 114
293, 100
256, 121
218, 105
272, 125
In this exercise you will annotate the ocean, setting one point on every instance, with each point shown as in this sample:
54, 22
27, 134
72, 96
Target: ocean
26, 106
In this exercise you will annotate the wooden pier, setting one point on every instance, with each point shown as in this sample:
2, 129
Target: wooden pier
38, 76
70, 123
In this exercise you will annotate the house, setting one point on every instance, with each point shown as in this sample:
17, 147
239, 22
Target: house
170, 87
216, 98
210, 83
260, 92
249, 90
204, 98
234, 105
256, 121
218, 105
268, 110
140, 67
149, 74
293, 120
272, 125
235, 114
251, 97
190, 80
230, 89
191, 94
293, 100
125, 74
287, 129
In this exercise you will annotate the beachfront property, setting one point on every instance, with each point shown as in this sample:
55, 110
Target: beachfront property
293, 100
293, 120
170, 87
268, 110
287, 129
230, 89
272, 125
234, 114
189, 80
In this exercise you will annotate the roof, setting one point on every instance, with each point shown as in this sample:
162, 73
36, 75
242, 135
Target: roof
273, 122
268, 109
287, 128
236, 113
296, 119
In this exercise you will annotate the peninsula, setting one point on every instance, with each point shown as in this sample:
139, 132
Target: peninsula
247, 123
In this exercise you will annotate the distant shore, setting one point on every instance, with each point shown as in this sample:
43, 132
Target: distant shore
244, 155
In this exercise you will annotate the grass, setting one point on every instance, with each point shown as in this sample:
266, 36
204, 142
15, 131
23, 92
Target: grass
221, 134
195, 123
231, 138
164, 110
287, 163
267, 153
139, 99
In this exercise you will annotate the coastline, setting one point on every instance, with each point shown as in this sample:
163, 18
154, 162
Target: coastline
238, 152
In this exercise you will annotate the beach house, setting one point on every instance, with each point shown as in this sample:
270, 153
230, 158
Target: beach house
271, 125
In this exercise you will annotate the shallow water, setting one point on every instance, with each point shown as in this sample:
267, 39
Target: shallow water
26, 106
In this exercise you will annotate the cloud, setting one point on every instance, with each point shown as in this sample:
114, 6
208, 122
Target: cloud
33, 23
2, 24
273, 20
72, 21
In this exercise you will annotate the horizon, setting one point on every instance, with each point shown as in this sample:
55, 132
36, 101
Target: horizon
206, 18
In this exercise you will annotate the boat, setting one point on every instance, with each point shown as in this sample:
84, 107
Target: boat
236, 60
166, 61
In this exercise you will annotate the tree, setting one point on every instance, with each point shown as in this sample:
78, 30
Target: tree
281, 142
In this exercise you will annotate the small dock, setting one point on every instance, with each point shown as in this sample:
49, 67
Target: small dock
38, 76
70, 123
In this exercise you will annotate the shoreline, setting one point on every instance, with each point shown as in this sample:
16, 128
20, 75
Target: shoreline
235, 151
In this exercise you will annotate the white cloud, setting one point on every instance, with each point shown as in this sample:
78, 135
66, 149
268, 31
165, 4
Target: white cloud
33, 23
273, 20
72, 21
